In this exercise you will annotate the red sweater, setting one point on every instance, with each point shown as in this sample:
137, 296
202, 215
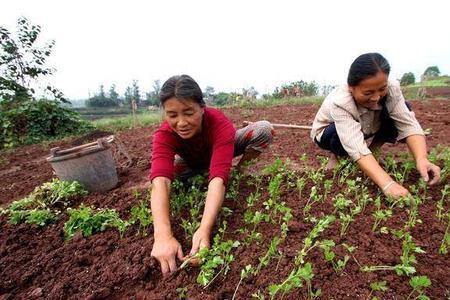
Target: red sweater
213, 147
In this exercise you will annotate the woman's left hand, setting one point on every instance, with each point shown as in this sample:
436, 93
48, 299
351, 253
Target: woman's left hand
200, 240
429, 171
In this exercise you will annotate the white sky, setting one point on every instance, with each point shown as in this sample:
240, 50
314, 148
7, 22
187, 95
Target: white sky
231, 44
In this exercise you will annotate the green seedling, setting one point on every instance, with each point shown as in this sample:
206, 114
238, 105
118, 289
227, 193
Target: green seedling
141, 214
245, 272
300, 184
218, 256
419, 284
89, 221
43, 205
440, 204
338, 265
445, 244
377, 286
182, 292
380, 214
408, 259
295, 280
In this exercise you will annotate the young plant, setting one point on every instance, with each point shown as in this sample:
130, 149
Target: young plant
408, 259
327, 247
419, 284
440, 204
141, 214
218, 256
43, 205
380, 214
295, 280
245, 272
88, 221
445, 244
377, 286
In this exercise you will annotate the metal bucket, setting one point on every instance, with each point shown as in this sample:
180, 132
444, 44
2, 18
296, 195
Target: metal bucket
92, 165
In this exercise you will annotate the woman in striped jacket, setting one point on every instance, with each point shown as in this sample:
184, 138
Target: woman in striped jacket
371, 107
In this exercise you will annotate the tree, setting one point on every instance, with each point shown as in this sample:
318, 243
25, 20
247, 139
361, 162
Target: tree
407, 79
100, 100
431, 71
135, 93
152, 97
128, 95
25, 118
113, 95
23, 63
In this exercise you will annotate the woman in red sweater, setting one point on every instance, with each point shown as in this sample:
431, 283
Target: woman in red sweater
194, 137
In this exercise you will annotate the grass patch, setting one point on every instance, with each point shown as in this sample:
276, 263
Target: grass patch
128, 122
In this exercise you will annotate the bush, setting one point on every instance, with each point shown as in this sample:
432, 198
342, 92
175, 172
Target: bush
407, 79
32, 121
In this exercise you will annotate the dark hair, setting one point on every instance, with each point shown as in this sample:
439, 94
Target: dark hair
365, 66
181, 87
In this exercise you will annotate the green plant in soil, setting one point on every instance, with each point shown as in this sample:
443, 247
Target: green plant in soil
440, 204
182, 292
245, 273
408, 259
346, 212
445, 244
90, 221
314, 197
303, 271
218, 256
300, 184
141, 214
377, 286
295, 280
42, 206
419, 284
380, 214
338, 265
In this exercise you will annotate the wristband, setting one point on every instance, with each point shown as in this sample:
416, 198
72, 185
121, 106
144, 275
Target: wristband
387, 186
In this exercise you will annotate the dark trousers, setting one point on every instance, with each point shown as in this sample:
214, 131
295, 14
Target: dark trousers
387, 133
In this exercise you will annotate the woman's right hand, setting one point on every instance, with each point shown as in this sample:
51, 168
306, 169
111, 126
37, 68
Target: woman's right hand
396, 190
165, 250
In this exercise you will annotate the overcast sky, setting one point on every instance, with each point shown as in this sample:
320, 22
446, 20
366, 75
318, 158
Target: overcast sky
231, 44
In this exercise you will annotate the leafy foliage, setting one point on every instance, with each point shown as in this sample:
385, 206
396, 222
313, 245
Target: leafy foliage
407, 79
44, 203
22, 118
141, 214
89, 221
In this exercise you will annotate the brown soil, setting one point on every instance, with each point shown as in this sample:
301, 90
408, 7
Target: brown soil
36, 263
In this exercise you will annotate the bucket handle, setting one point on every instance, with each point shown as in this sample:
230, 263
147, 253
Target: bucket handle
102, 144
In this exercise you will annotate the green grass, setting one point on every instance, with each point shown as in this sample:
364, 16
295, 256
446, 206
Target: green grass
411, 92
121, 123
433, 82
275, 101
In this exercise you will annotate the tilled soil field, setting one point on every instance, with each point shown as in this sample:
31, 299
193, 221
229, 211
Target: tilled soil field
37, 262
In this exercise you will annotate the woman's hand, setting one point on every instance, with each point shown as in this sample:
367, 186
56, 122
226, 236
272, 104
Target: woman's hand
429, 171
395, 190
165, 249
201, 239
